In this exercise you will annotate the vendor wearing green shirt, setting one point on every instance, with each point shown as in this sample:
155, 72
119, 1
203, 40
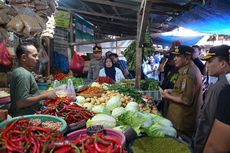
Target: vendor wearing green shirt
25, 96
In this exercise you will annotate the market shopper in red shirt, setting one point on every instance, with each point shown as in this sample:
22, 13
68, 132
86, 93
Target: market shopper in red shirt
185, 98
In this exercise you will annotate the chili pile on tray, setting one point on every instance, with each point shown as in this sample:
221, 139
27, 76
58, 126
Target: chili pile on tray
97, 143
22, 136
70, 112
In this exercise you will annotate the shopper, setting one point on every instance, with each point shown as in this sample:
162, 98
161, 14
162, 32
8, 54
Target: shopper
122, 65
196, 58
111, 71
219, 138
185, 98
25, 96
96, 64
218, 66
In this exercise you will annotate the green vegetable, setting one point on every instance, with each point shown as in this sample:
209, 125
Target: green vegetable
132, 106
134, 119
88, 106
150, 84
113, 102
157, 130
127, 91
159, 145
101, 109
102, 119
121, 128
118, 111
76, 81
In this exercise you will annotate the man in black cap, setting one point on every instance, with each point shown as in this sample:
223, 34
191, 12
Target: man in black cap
185, 98
96, 64
218, 65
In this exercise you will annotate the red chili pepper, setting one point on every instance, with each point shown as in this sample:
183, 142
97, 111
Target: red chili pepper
64, 149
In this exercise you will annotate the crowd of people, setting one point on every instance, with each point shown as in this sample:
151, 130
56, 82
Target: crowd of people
197, 111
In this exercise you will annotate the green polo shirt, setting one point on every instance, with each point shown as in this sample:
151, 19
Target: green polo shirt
22, 86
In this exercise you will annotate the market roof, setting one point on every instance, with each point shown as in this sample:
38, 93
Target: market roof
119, 17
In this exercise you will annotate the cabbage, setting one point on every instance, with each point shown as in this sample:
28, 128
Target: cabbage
120, 128
118, 111
100, 109
149, 120
162, 121
88, 106
80, 99
114, 102
132, 106
136, 120
102, 119
157, 130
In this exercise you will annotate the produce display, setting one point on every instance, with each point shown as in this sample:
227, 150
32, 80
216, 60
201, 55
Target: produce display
92, 91
107, 95
70, 112
128, 91
107, 80
159, 145
76, 81
99, 142
150, 84
23, 136
46, 124
60, 76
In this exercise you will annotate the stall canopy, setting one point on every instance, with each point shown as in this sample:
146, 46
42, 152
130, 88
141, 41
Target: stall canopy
185, 36
211, 18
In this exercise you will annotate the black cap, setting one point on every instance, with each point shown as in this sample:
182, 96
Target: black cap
218, 51
182, 50
97, 49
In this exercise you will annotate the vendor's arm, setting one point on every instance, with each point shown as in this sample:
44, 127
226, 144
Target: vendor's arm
30, 101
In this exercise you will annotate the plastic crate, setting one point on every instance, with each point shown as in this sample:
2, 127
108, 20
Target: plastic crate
37, 116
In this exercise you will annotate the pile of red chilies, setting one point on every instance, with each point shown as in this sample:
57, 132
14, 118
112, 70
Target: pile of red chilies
102, 80
21, 137
71, 113
60, 76
97, 143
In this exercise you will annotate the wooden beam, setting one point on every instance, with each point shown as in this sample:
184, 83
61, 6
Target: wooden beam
142, 22
99, 14
101, 41
113, 4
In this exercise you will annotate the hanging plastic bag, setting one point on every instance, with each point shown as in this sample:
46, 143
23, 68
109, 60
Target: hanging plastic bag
5, 57
70, 90
43, 56
77, 64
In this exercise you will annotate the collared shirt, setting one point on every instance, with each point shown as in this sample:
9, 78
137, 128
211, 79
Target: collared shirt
94, 68
207, 114
189, 86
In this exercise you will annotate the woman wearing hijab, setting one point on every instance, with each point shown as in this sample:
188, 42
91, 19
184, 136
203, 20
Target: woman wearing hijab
111, 71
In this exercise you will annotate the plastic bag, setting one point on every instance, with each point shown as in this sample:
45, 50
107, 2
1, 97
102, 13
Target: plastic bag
70, 90
43, 56
5, 57
77, 63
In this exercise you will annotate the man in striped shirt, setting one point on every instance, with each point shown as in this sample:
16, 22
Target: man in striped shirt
121, 64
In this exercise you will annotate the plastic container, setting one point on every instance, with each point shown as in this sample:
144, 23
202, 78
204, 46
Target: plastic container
37, 116
42, 86
119, 135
